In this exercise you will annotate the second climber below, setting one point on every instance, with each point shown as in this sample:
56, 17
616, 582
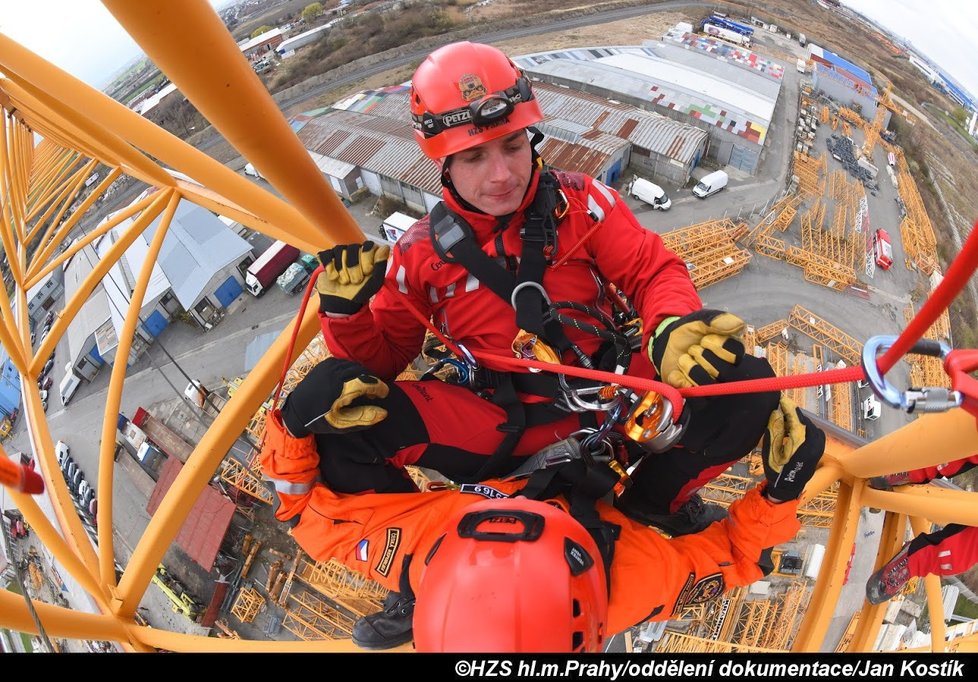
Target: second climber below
518, 259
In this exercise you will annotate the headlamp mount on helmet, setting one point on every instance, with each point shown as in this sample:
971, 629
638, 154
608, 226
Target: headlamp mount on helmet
484, 112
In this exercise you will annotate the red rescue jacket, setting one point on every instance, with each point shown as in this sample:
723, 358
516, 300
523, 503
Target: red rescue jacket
600, 235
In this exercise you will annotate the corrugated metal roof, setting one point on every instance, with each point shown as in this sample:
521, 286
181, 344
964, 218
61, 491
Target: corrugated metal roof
560, 154
382, 141
196, 247
719, 93
204, 528
95, 311
644, 129
389, 149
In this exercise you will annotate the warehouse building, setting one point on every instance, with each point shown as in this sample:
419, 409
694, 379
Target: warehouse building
367, 141
846, 83
725, 90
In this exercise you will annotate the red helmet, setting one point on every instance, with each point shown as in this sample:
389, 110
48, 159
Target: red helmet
465, 94
512, 575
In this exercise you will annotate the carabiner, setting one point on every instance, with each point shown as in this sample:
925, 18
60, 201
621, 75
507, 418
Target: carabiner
927, 399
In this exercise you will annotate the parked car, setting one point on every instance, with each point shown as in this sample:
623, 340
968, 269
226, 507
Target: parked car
67, 463
61, 449
76, 481
44, 383
83, 489
47, 367
250, 169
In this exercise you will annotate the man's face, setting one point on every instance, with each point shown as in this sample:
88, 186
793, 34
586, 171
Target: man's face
493, 176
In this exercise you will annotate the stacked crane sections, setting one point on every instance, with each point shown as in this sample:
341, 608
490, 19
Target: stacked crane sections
339, 583
750, 340
311, 618
808, 323
769, 331
847, 114
821, 270
247, 604
873, 128
777, 356
800, 365
823, 116
841, 414
819, 511
245, 479
780, 216
809, 170
770, 624
919, 240
709, 250
925, 370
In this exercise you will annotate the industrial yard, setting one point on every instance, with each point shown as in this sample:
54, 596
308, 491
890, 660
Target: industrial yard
824, 237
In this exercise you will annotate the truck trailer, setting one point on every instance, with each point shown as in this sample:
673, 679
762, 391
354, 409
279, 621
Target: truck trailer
726, 34
264, 271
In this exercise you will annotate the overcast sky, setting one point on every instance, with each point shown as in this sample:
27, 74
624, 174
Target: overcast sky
81, 37
945, 31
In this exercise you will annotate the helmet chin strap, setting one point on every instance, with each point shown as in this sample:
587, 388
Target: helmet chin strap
536, 137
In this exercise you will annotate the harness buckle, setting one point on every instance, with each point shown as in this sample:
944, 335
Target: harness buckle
926, 399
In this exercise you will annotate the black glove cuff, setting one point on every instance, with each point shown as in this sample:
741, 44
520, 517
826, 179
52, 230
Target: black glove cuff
293, 422
338, 305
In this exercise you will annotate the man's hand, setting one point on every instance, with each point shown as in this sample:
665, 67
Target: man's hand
337, 396
792, 447
352, 273
695, 349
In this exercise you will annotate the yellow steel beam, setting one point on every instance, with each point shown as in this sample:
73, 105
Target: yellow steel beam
188, 41
113, 400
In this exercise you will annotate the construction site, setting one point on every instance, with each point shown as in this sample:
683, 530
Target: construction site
842, 246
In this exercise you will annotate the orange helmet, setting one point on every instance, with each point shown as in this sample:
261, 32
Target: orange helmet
512, 575
465, 94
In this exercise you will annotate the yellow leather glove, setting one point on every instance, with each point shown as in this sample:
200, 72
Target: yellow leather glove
791, 448
335, 396
352, 274
695, 349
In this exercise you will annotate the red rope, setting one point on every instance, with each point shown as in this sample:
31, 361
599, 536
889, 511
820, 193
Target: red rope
962, 267
295, 334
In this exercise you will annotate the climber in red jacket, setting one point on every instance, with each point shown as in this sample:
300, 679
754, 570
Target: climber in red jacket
522, 260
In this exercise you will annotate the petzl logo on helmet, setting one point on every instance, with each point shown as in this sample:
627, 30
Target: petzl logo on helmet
471, 87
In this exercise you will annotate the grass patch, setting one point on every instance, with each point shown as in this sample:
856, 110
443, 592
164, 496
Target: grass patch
966, 608
960, 129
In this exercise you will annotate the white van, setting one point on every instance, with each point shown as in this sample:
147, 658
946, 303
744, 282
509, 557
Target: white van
711, 184
69, 384
871, 408
395, 225
650, 193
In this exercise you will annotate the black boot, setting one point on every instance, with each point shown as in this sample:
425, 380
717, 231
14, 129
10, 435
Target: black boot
388, 628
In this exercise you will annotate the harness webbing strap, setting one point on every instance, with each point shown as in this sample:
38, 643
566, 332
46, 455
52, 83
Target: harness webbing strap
582, 485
